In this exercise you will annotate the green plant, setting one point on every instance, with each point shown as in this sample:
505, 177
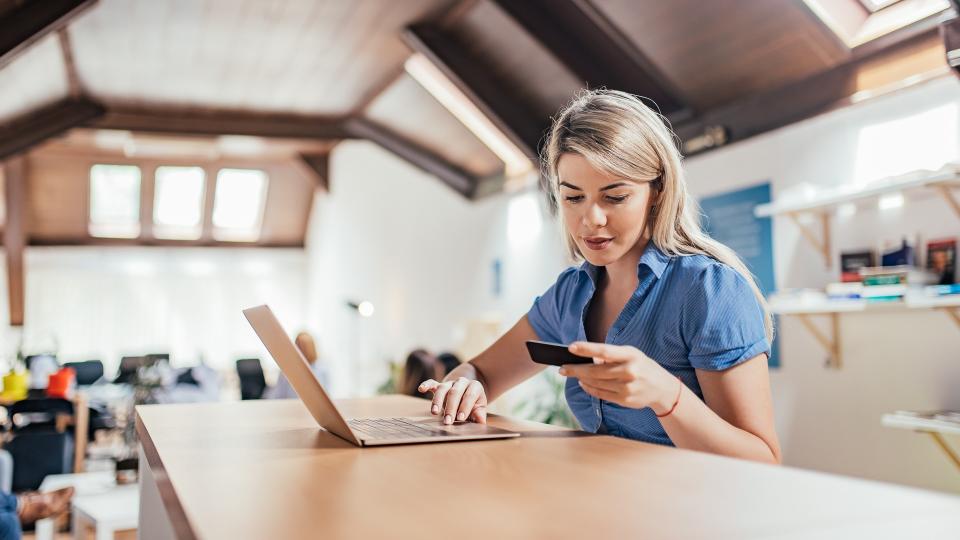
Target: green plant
548, 403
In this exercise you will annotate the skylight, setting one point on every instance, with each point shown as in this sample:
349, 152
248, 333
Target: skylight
874, 6
114, 201
178, 203
238, 204
857, 22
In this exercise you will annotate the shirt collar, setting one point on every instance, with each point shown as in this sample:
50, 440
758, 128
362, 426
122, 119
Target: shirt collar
652, 258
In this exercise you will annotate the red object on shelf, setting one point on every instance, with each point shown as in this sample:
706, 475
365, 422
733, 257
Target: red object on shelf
61, 383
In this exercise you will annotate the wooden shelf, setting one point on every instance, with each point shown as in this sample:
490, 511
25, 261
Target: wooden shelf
912, 185
934, 428
805, 309
920, 184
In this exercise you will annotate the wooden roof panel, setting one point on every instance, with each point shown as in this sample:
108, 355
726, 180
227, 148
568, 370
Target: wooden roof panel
287, 55
718, 51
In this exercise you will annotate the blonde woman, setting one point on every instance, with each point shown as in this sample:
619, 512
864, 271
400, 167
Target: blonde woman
677, 327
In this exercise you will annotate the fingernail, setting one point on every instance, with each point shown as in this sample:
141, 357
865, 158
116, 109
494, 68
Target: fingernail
448, 419
461, 416
434, 409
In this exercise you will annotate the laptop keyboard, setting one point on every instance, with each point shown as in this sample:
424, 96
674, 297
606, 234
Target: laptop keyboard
390, 428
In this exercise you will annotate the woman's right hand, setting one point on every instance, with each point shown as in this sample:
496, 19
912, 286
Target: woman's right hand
457, 400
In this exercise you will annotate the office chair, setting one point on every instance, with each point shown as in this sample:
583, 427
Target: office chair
252, 382
88, 371
39, 446
128, 368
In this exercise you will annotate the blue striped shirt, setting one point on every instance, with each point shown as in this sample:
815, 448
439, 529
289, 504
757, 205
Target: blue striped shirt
687, 313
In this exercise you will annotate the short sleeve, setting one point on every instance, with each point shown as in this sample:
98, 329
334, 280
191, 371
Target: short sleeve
546, 314
722, 321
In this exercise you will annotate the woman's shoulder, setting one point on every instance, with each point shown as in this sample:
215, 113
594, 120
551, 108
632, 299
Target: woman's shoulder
703, 269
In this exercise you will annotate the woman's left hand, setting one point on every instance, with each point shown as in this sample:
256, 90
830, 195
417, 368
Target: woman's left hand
623, 375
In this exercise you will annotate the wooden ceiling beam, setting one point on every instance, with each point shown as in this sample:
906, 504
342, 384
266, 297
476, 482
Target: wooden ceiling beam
595, 50
15, 234
37, 126
786, 105
212, 122
513, 118
461, 181
28, 22
319, 167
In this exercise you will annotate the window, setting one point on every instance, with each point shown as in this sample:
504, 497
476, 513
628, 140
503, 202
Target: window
857, 22
115, 201
178, 203
874, 6
238, 205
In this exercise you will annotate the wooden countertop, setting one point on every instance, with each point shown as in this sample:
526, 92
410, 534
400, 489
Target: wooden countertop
263, 469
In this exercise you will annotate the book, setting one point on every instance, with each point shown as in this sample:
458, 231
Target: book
942, 260
852, 261
844, 291
942, 290
899, 255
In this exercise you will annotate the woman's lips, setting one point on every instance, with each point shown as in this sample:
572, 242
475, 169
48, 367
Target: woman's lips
597, 243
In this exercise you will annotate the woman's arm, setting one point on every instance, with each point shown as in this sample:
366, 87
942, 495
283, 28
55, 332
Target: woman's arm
735, 418
499, 368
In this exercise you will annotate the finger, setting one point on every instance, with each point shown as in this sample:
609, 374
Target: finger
599, 393
453, 399
428, 385
469, 400
609, 372
606, 386
479, 414
601, 351
439, 395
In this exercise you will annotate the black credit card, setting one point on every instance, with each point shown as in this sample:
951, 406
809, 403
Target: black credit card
554, 354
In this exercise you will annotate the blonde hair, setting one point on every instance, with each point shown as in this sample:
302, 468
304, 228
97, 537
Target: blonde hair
618, 134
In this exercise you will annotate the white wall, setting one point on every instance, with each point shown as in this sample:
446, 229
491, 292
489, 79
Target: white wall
104, 303
395, 236
830, 420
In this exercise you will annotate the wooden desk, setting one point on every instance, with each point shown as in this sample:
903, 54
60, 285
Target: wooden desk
264, 470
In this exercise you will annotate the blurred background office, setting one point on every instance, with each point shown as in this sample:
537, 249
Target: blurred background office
369, 169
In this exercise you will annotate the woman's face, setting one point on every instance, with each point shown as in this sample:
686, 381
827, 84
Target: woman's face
606, 216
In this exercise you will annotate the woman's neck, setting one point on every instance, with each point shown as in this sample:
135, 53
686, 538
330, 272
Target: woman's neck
624, 270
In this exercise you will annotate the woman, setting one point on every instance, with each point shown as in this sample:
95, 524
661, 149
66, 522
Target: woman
420, 365
676, 325
307, 347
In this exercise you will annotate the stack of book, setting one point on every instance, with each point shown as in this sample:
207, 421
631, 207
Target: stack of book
891, 283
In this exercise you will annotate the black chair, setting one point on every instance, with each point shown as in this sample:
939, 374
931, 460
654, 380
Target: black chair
153, 358
252, 382
88, 371
128, 368
40, 446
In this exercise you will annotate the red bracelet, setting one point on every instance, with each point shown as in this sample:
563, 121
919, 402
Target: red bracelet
675, 402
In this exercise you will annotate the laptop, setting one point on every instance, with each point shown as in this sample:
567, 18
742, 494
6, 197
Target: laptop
359, 431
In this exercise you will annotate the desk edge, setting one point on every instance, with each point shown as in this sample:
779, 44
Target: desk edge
171, 502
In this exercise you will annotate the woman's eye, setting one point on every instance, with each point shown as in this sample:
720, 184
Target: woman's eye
617, 199
574, 198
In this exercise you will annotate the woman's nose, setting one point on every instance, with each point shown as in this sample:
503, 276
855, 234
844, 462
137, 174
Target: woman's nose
595, 216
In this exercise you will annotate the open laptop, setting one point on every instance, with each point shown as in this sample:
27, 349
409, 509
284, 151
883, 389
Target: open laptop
359, 431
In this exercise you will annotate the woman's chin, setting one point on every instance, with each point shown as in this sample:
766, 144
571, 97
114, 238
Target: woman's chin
599, 258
